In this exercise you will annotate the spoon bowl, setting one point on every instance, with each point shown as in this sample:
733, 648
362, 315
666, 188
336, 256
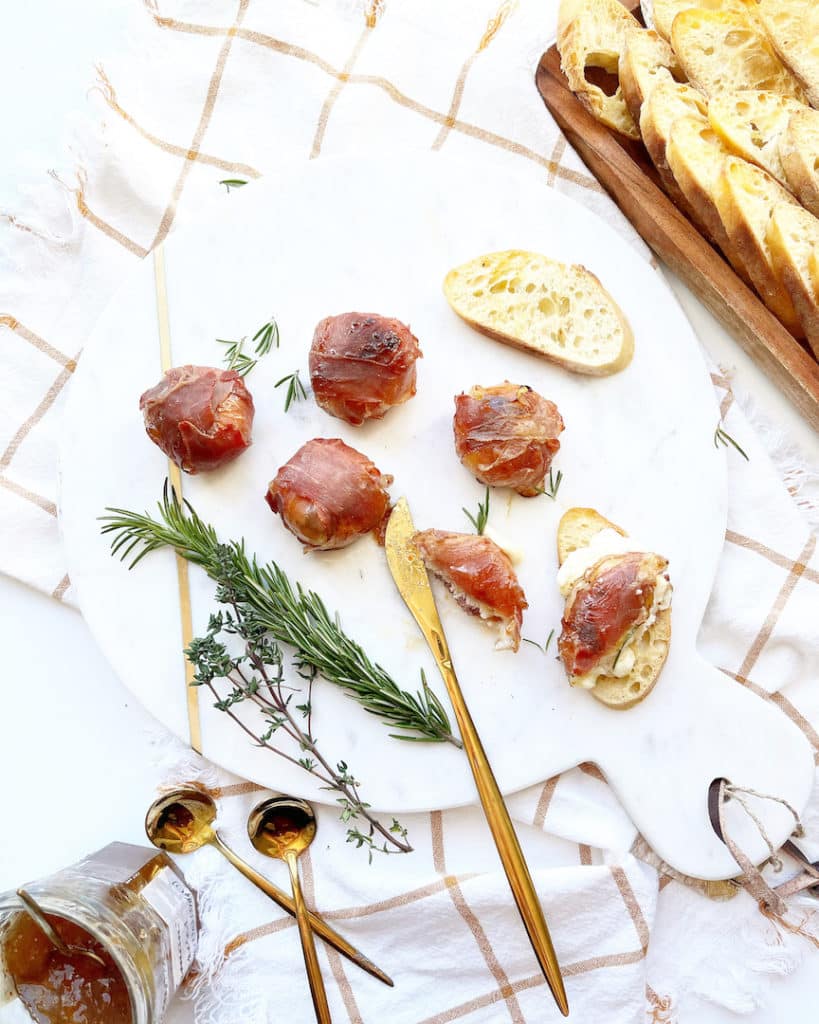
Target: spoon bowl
181, 821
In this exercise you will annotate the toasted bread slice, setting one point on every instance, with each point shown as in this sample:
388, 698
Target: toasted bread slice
555, 310
695, 155
647, 59
793, 240
745, 197
799, 153
664, 105
591, 34
665, 11
720, 51
751, 122
793, 28
575, 530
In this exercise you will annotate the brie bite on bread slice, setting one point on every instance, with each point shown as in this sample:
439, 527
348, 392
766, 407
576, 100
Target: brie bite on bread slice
616, 627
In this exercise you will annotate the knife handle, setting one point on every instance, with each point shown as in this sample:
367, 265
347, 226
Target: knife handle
506, 840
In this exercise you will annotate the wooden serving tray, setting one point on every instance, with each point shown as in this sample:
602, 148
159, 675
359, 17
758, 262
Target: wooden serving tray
626, 172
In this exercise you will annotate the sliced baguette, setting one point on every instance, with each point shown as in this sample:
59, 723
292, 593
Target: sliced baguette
793, 240
793, 28
696, 155
719, 51
665, 11
799, 152
555, 310
751, 123
664, 105
745, 197
575, 530
647, 60
591, 34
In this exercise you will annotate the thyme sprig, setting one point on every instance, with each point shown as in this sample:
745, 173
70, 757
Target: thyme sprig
235, 356
256, 676
722, 437
481, 517
230, 183
295, 389
287, 613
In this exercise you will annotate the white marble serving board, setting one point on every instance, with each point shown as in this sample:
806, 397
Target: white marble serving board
378, 236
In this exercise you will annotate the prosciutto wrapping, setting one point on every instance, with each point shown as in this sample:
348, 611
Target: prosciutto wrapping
606, 607
329, 495
507, 436
199, 416
361, 365
481, 578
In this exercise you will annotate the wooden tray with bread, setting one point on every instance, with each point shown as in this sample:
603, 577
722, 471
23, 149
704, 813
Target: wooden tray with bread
705, 131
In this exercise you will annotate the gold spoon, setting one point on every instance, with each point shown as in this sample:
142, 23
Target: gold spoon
284, 827
36, 914
182, 821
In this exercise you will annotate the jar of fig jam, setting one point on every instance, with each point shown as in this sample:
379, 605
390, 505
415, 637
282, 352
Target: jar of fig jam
131, 907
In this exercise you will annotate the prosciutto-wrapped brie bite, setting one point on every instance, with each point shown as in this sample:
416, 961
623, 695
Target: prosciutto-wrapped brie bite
610, 603
480, 577
361, 365
199, 416
507, 436
329, 495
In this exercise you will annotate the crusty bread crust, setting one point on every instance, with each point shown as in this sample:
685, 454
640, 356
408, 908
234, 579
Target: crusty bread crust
538, 304
793, 239
591, 33
745, 197
575, 530
798, 148
647, 60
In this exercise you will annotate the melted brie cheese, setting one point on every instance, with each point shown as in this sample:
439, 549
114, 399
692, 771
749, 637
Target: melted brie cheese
606, 542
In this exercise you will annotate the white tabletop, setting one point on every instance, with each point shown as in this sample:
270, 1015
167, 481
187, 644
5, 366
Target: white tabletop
73, 744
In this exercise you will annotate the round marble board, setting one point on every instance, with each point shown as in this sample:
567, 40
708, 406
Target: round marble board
378, 236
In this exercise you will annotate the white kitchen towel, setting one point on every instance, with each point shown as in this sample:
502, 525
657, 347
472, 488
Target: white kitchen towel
227, 90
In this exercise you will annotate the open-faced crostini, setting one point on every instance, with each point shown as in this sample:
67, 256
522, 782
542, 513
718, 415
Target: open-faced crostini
480, 577
617, 622
507, 436
361, 365
329, 495
199, 416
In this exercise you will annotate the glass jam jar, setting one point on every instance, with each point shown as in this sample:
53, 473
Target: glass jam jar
131, 906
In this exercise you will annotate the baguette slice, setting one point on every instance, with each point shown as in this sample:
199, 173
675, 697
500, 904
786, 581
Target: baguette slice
665, 11
555, 310
720, 51
591, 34
793, 239
696, 156
799, 152
746, 197
575, 530
664, 105
751, 123
793, 28
647, 60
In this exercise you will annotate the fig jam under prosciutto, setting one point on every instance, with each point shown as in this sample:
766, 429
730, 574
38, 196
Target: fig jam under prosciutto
481, 578
507, 436
361, 365
613, 599
329, 495
199, 416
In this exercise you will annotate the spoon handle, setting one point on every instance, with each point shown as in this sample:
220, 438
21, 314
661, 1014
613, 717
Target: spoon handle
318, 924
308, 946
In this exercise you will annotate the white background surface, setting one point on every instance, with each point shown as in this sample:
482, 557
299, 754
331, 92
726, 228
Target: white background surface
73, 745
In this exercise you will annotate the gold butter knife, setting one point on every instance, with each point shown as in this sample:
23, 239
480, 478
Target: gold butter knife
411, 578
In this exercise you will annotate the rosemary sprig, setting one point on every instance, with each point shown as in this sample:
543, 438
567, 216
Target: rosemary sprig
256, 676
722, 437
295, 389
481, 517
235, 356
289, 614
622, 647
554, 484
230, 183
545, 648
